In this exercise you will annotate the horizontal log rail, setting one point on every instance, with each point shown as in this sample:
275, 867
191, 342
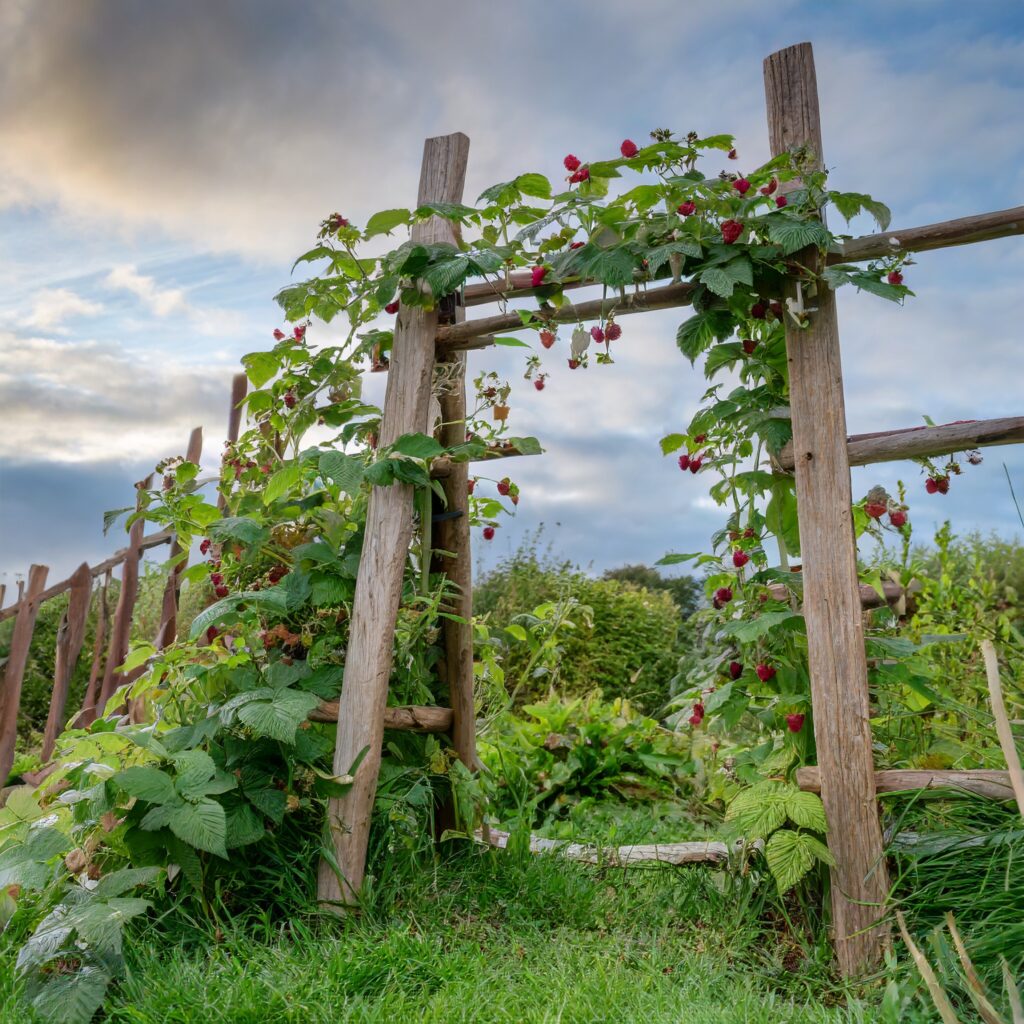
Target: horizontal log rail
472, 334
152, 541
925, 442
983, 227
407, 718
869, 597
990, 783
441, 467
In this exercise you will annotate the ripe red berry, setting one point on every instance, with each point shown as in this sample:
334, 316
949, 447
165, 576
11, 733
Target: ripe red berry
687, 208
221, 591
749, 345
539, 383
776, 309
278, 573
734, 535
583, 174
391, 307
750, 532
759, 310
723, 594
537, 275
700, 438
471, 486
794, 722
577, 245
504, 486
515, 499
698, 708
211, 634
931, 485
943, 484
278, 333
290, 399
895, 277
740, 558
731, 230
684, 461
597, 334
613, 332
547, 338
300, 332
695, 720
204, 548
695, 464
898, 518
572, 163
573, 363
732, 154
875, 509
781, 201
216, 578
488, 533
769, 188
741, 185
765, 672
629, 149
735, 670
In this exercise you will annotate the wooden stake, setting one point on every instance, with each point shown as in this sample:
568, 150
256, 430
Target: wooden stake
835, 635
405, 717
87, 715
385, 550
1003, 729
14, 670
239, 387
70, 636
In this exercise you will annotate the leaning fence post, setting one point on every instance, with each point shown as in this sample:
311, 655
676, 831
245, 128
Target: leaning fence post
835, 633
87, 715
14, 670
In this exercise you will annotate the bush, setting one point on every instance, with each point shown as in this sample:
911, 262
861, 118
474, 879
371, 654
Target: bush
628, 646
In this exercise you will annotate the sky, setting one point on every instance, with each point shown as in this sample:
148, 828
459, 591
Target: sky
161, 165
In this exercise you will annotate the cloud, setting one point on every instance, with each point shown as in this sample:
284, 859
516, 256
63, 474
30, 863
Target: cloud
52, 306
160, 301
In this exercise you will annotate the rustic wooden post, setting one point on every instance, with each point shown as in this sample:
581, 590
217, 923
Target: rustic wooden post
87, 715
239, 387
14, 670
381, 568
835, 636
122, 626
169, 613
70, 635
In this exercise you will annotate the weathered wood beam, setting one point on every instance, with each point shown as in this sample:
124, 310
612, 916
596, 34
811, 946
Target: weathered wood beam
386, 548
869, 597
87, 713
441, 468
831, 606
406, 718
14, 670
981, 781
924, 442
239, 388
473, 334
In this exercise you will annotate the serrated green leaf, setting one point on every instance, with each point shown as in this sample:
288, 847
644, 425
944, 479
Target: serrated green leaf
261, 367
806, 810
533, 185
342, 470
672, 443
701, 331
194, 768
271, 802
118, 882
147, 783
282, 482
758, 811
793, 234
746, 631
244, 529
718, 281
385, 221
202, 825
418, 446
509, 342
791, 855
244, 826
70, 998
281, 716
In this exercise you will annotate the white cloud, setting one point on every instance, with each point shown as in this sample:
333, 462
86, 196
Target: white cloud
160, 301
52, 306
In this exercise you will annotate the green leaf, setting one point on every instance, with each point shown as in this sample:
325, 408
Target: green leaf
271, 802
385, 221
806, 810
533, 185
202, 825
261, 367
418, 446
748, 630
758, 811
672, 443
702, 330
244, 826
793, 234
70, 998
718, 281
791, 855
342, 470
677, 559
147, 783
281, 716
871, 283
723, 354
282, 482
445, 277
118, 882
194, 767
510, 342
780, 515
244, 529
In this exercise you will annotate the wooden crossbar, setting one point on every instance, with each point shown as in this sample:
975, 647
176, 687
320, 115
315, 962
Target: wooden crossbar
407, 717
981, 781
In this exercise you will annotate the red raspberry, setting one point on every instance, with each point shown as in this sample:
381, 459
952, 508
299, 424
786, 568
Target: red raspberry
723, 594
687, 209
204, 548
471, 486
735, 670
731, 230
391, 307
216, 578
695, 720
613, 332
700, 438
221, 591
695, 464
597, 334
684, 461
577, 245
769, 188
629, 149
794, 722
504, 486
765, 672
573, 363
741, 185
740, 558
278, 333
299, 332
898, 518
211, 634
875, 509
290, 399
781, 201
931, 485
895, 277
943, 484
732, 154
776, 309
572, 163
537, 275
749, 346
539, 383
488, 533
759, 310
698, 708
278, 573
583, 174
750, 532
547, 338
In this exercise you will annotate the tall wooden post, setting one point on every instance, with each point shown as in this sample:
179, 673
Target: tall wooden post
70, 636
385, 549
835, 634
14, 670
87, 715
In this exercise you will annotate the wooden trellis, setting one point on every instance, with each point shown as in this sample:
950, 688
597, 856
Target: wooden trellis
820, 455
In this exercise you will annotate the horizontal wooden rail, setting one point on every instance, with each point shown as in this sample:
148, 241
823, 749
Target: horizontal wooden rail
869, 597
925, 442
471, 334
441, 467
152, 541
408, 718
982, 781
983, 227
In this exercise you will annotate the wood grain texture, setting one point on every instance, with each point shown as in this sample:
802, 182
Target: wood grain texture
87, 715
832, 609
993, 784
404, 717
14, 670
70, 637
1004, 729
924, 442
618, 856
239, 388
388, 535
869, 597
474, 334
